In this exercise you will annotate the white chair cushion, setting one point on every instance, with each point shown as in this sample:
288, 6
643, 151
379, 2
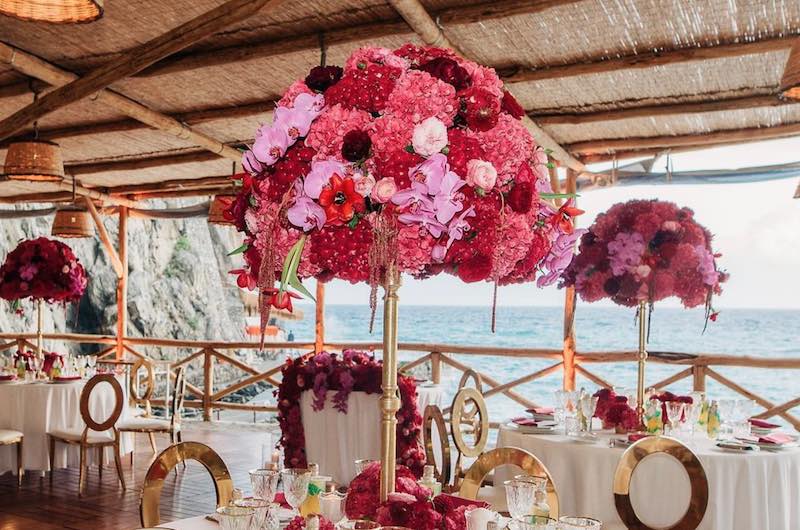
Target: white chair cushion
8, 436
93, 437
143, 424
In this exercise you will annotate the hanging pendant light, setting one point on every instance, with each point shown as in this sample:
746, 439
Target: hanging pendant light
34, 160
72, 222
53, 11
216, 211
790, 83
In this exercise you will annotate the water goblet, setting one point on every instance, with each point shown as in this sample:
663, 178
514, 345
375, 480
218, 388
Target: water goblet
331, 506
569, 522
264, 483
675, 415
295, 486
726, 408
693, 411
235, 517
561, 399
588, 407
260, 509
520, 497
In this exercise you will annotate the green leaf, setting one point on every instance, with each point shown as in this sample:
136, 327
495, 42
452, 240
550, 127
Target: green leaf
548, 151
550, 165
446, 150
480, 192
352, 222
298, 286
238, 250
558, 195
409, 148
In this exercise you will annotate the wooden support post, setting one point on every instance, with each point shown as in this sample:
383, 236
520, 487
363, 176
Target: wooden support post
699, 377
122, 283
569, 311
436, 367
105, 239
208, 383
319, 328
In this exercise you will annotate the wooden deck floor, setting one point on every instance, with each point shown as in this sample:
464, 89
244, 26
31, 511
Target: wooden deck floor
39, 506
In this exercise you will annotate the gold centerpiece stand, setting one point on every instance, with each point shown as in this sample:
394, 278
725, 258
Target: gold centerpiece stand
390, 402
641, 363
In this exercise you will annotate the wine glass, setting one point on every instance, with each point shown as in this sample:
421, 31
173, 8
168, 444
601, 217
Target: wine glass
726, 408
295, 486
561, 405
675, 414
588, 406
331, 506
742, 411
91, 362
235, 517
520, 497
260, 509
264, 483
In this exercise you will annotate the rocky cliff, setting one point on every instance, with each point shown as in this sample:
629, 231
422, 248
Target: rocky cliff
179, 286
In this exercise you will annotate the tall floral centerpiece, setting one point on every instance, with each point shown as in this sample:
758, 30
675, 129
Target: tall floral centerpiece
43, 270
643, 251
403, 161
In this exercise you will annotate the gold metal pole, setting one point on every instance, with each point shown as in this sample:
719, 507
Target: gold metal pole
390, 402
642, 361
39, 326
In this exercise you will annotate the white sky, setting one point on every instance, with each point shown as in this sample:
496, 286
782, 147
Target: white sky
756, 227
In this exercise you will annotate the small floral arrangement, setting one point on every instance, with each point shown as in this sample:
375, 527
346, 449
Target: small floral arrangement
26, 356
413, 157
646, 250
409, 510
362, 495
353, 371
42, 269
615, 412
299, 523
667, 397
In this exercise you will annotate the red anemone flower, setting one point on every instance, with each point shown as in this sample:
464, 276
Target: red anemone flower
340, 200
563, 217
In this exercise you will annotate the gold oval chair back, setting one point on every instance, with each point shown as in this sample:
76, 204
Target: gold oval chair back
491, 460
86, 412
631, 458
468, 415
144, 398
173, 455
433, 416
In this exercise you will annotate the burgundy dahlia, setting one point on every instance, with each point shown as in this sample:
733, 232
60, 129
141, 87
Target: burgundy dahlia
356, 145
320, 78
448, 71
520, 198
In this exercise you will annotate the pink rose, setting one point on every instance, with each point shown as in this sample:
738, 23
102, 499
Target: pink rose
364, 185
429, 137
383, 190
481, 174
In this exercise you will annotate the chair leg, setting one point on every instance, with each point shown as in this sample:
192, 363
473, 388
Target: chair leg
82, 472
19, 463
100, 462
153, 446
118, 462
180, 441
52, 458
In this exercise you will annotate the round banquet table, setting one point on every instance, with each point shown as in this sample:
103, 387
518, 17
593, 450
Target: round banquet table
335, 440
759, 490
36, 408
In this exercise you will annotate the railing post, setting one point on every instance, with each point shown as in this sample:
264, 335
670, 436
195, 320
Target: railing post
122, 283
436, 367
699, 376
319, 311
569, 306
208, 382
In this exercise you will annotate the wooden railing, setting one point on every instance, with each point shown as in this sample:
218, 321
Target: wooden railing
206, 356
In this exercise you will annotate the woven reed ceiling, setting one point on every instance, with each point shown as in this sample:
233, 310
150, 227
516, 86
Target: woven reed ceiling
543, 47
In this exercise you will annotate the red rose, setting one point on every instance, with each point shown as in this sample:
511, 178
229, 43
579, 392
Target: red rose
511, 105
356, 145
520, 198
475, 269
481, 109
448, 71
320, 78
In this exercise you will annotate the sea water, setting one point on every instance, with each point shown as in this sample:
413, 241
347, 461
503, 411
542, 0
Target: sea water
751, 332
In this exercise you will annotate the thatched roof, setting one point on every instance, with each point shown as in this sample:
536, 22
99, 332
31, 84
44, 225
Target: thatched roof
600, 76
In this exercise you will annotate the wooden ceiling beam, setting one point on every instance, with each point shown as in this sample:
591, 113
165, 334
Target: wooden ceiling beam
175, 184
664, 109
132, 61
414, 13
664, 57
753, 134
132, 164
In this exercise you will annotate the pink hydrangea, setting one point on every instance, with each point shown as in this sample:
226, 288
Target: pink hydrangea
483, 77
418, 96
366, 55
390, 133
327, 134
512, 244
507, 146
295, 89
414, 246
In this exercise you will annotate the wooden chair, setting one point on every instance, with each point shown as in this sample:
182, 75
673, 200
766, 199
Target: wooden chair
490, 460
633, 455
151, 426
94, 435
9, 437
149, 508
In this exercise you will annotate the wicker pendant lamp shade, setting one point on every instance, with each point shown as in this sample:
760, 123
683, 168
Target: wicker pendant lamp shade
217, 208
34, 160
72, 222
790, 83
53, 11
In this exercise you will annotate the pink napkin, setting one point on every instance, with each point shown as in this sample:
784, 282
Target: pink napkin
763, 424
280, 499
527, 422
541, 410
777, 438
8, 377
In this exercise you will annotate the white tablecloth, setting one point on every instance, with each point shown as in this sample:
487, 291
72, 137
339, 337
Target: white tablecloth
746, 492
335, 440
36, 408
193, 523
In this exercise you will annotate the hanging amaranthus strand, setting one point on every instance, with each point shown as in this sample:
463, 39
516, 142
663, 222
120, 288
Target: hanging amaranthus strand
382, 254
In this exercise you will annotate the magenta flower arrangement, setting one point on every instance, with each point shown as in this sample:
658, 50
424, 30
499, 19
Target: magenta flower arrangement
352, 371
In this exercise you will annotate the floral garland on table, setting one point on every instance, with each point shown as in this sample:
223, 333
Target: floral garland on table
614, 411
412, 157
299, 523
647, 250
353, 371
42, 269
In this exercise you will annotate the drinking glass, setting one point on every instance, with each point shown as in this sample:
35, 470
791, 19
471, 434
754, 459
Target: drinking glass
91, 360
562, 399
726, 408
260, 509
742, 411
569, 522
520, 497
331, 506
675, 414
363, 464
693, 411
295, 486
571, 425
264, 483
588, 406
534, 522
235, 517
358, 525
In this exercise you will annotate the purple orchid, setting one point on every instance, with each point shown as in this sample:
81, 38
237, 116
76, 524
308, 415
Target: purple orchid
312, 103
431, 172
425, 219
448, 202
251, 164
416, 196
559, 257
321, 172
306, 214
295, 122
271, 144
455, 231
